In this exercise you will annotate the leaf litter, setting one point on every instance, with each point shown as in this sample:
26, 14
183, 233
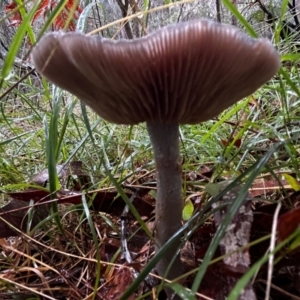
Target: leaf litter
36, 256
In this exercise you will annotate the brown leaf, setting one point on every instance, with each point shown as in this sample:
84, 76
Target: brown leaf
104, 201
28, 195
262, 186
288, 223
237, 143
118, 285
75, 168
15, 213
218, 282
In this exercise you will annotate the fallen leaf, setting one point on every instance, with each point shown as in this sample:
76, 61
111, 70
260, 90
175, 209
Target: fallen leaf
288, 223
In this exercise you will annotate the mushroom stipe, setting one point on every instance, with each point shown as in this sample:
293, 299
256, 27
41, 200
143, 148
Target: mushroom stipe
181, 74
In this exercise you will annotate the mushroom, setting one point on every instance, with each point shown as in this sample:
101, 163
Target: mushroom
181, 74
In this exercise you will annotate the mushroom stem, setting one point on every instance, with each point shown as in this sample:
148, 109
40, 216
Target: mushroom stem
165, 141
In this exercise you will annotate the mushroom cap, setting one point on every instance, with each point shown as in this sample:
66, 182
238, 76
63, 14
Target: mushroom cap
184, 73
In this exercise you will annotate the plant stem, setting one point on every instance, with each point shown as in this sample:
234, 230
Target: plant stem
169, 204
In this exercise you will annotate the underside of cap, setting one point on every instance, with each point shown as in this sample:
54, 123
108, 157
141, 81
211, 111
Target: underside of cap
185, 73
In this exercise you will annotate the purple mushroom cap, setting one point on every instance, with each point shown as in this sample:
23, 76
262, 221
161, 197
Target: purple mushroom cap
184, 73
